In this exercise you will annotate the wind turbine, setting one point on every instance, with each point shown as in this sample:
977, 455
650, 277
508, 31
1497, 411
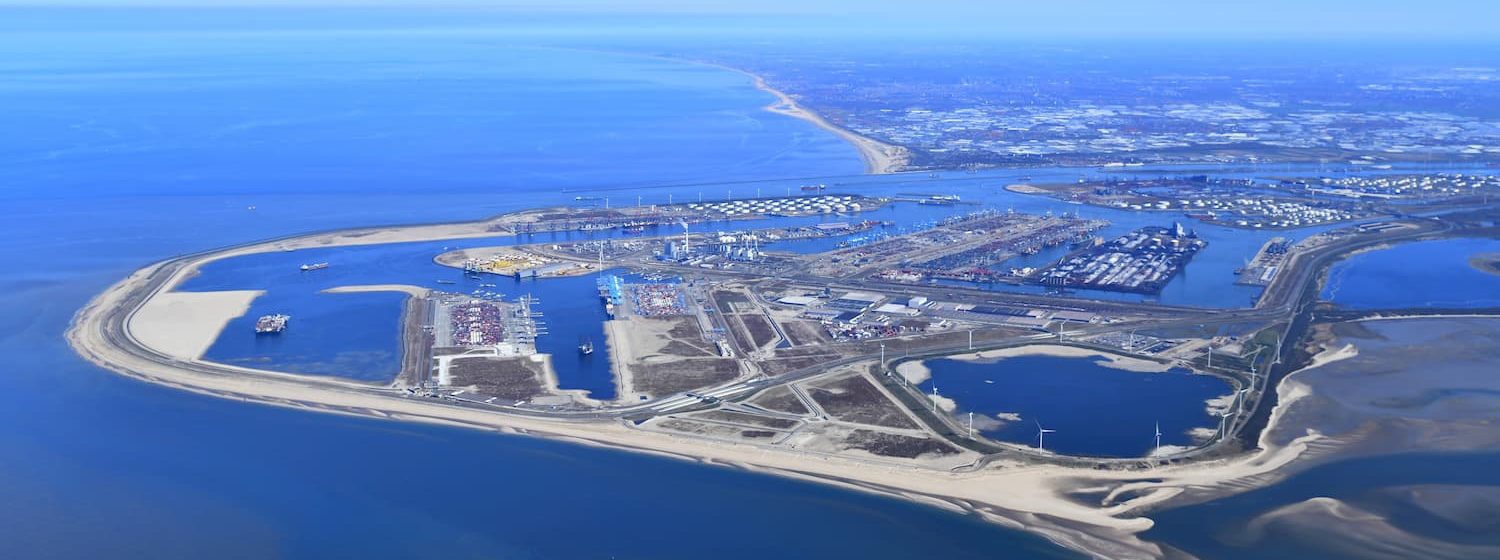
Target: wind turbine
1158, 435
1040, 431
1223, 421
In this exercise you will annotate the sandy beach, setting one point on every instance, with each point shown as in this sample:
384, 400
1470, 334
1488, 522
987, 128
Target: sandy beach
879, 157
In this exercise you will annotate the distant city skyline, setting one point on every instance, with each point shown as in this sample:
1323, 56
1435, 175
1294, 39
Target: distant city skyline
1467, 20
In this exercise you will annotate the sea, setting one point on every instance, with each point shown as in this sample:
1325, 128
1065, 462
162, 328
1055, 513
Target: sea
128, 148
126, 145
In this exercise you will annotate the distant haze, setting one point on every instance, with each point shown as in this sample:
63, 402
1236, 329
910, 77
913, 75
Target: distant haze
1428, 20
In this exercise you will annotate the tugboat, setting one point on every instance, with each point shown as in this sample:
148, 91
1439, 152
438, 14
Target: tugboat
271, 324
585, 346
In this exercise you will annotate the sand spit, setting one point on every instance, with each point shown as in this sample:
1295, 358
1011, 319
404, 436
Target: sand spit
184, 325
413, 291
880, 157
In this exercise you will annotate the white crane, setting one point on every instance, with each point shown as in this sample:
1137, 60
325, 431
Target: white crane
1040, 431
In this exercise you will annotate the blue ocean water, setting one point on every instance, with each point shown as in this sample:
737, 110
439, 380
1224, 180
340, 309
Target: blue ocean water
1096, 410
123, 152
1365, 280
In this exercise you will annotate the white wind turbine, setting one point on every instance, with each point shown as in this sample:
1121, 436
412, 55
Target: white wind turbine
1040, 431
1158, 435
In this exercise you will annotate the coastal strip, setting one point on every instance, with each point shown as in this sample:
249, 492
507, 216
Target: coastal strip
879, 157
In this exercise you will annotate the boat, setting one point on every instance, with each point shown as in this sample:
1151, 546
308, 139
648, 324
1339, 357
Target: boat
271, 324
314, 266
586, 347
446, 282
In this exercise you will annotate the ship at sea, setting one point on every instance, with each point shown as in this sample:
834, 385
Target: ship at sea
314, 266
271, 324
585, 346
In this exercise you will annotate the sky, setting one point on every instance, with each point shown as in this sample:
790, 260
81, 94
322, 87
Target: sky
1464, 20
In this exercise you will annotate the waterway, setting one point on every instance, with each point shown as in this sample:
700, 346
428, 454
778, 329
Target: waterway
1440, 268
1095, 409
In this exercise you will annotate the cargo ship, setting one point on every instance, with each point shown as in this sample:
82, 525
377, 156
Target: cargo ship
314, 266
271, 324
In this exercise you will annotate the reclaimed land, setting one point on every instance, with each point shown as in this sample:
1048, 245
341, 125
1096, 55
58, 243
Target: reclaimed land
1048, 499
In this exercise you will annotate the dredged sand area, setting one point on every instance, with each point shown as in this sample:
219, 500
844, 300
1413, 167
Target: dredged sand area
185, 324
408, 289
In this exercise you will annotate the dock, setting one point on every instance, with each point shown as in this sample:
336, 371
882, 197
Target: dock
1262, 269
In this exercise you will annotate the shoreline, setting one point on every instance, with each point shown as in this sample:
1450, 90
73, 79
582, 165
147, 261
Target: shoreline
880, 158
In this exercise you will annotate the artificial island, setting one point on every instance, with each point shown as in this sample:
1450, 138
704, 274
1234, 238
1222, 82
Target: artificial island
819, 346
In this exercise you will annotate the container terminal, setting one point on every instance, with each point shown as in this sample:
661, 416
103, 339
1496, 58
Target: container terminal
1142, 261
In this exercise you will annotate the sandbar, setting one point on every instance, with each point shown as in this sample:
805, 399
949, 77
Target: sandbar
1115, 361
1488, 263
